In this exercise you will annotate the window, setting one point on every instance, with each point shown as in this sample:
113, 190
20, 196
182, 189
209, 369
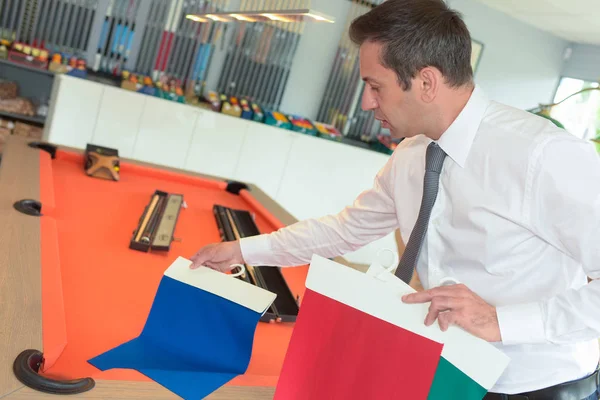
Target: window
580, 113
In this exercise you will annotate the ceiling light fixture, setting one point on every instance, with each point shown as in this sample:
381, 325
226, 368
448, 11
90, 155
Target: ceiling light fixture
300, 15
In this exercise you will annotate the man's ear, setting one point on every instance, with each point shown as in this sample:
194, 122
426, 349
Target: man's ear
429, 80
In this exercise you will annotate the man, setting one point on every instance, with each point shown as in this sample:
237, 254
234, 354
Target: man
496, 198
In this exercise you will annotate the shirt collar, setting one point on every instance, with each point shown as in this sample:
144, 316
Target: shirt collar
459, 136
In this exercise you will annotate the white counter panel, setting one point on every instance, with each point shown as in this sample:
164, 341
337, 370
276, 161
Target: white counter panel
73, 112
308, 176
264, 156
216, 144
119, 118
165, 132
323, 177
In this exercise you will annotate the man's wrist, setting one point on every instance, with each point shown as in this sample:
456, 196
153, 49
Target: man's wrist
254, 248
521, 324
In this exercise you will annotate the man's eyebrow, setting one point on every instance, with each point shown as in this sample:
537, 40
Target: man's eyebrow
368, 79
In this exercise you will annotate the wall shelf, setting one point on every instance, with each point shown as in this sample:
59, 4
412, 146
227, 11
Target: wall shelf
26, 118
25, 67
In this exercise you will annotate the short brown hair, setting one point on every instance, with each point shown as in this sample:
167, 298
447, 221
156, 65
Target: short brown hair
416, 34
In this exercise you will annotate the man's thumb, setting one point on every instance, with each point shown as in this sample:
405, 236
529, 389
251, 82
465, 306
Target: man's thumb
198, 260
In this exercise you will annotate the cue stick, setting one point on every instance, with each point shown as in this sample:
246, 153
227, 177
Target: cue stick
350, 85
173, 62
3, 13
51, 42
254, 274
236, 234
182, 44
119, 19
125, 45
18, 27
333, 81
165, 42
43, 23
63, 26
146, 217
193, 31
74, 22
341, 77
156, 216
205, 62
275, 58
152, 32
234, 51
253, 87
4, 7
13, 19
34, 25
171, 44
197, 45
255, 40
87, 25
278, 84
121, 30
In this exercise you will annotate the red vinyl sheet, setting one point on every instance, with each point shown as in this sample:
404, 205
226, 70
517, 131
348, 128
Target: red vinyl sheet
339, 352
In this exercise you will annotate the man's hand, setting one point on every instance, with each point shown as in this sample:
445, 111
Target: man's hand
458, 305
218, 256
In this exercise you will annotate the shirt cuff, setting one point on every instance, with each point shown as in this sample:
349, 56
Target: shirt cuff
255, 249
521, 324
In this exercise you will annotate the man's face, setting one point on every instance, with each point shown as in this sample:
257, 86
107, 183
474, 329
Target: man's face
398, 110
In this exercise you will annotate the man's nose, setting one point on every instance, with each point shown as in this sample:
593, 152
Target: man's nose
368, 101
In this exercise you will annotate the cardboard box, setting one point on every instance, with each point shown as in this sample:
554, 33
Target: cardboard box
4, 134
7, 123
27, 130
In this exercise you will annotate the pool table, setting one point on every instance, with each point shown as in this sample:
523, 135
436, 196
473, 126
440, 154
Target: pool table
71, 288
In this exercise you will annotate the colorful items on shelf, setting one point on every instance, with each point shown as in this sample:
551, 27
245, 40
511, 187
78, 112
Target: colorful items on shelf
130, 81
214, 100
302, 125
4, 46
68, 64
241, 107
246, 110
24, 54
77, 67
278, 119
166, 87
147, 87
258, 114
169, 89
384, 144
328, 131
230, 106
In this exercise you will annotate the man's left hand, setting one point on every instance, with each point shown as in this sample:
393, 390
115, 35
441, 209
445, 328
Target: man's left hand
458, 305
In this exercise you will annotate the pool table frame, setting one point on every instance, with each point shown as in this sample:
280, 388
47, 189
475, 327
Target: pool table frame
20, 284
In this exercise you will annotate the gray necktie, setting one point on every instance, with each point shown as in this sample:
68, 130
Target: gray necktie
433, 166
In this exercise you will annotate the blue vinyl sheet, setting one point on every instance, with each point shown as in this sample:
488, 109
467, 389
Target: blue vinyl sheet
193, 341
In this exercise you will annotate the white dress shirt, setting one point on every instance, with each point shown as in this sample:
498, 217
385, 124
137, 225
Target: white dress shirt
517, 220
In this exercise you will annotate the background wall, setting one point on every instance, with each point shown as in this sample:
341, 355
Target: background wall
521, 65
583, 62
314, 59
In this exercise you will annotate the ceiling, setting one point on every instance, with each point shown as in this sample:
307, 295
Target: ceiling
573, 20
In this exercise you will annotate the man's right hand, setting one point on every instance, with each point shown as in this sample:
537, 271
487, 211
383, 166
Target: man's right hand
218, 256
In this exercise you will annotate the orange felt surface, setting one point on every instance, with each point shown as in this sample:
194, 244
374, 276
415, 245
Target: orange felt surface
107, 289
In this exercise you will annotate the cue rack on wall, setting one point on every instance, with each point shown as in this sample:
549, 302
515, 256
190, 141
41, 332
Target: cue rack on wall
340, 105
154, 38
